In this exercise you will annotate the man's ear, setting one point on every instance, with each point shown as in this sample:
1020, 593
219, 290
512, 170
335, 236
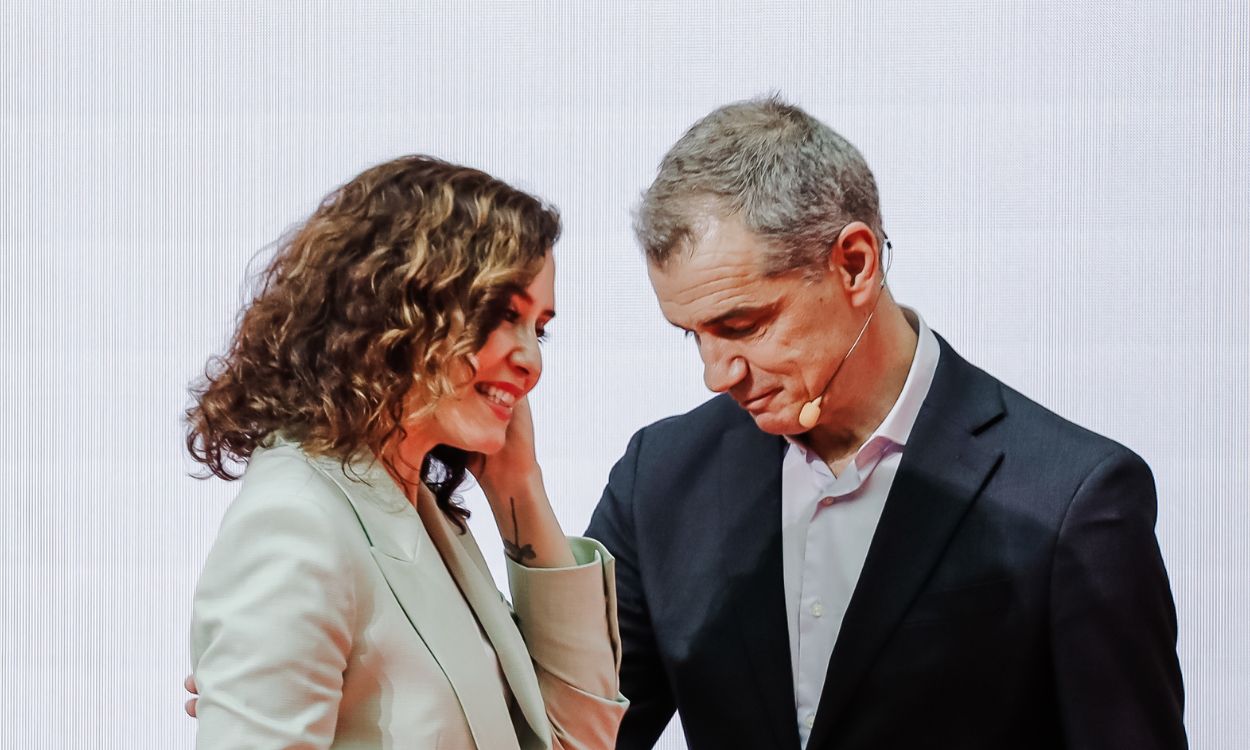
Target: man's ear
855, 257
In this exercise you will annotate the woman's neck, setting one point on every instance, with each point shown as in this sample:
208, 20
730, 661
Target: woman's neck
403, 461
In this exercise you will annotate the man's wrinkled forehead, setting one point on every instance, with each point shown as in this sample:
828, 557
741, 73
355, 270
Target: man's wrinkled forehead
723, 270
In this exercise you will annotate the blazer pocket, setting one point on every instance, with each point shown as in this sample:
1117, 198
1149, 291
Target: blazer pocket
971, 602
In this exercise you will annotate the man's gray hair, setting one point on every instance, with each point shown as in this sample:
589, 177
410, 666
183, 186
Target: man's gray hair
790, 178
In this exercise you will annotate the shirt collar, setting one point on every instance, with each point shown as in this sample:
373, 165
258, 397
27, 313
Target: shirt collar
898, 423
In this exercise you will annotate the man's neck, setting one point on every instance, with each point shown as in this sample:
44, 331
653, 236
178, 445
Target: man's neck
866, 399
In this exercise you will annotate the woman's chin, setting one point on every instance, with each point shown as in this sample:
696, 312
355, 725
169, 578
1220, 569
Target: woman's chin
486, 439
488, 446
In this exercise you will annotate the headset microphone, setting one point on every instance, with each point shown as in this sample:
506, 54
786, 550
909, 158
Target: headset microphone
809, 415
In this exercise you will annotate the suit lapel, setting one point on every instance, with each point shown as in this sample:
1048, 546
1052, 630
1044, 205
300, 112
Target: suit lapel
941, 473
468, 568
405, 549
750, 477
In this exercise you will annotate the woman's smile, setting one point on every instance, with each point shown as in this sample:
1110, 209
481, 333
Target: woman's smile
501, 397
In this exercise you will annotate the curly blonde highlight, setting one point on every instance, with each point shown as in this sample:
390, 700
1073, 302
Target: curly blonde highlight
368, 308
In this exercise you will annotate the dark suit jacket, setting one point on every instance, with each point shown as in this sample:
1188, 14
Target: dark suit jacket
1013, 596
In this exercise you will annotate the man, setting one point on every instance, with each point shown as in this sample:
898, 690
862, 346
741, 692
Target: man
864, 541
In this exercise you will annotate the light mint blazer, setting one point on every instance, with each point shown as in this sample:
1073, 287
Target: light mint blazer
331, 613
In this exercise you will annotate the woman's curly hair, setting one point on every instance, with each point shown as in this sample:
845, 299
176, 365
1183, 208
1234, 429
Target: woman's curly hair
367, 309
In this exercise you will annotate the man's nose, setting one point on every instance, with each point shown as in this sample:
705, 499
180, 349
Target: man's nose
723, 368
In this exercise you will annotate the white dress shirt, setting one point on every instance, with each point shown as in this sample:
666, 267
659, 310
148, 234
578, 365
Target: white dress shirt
828, 522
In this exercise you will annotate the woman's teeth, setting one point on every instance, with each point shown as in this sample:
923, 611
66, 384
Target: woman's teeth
497, 395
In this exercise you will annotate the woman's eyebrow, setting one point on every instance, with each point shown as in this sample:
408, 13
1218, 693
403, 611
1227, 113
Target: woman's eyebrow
530, 300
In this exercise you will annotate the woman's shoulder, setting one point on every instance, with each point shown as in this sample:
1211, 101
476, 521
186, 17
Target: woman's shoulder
282, 480
284, 466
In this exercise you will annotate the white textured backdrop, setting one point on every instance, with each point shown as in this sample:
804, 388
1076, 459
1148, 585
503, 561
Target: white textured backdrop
1066, 184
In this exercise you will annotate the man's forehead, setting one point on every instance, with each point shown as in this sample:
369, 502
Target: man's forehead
716, 235
709, 284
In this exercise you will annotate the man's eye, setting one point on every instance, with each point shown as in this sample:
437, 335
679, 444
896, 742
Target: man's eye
739, 331
512, 315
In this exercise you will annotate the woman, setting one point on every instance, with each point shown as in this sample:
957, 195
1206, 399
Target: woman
344, 602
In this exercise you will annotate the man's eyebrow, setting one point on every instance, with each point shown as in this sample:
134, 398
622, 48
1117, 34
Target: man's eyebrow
530, 300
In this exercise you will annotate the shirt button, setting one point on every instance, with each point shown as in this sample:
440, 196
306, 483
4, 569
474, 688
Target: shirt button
810, 720
825, 502
817, 609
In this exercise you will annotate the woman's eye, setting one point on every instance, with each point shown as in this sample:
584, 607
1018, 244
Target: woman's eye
542, 334
512, 315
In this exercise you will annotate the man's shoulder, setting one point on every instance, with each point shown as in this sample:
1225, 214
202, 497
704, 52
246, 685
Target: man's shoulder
720, 410
1028, 427
698, 426
1056, 439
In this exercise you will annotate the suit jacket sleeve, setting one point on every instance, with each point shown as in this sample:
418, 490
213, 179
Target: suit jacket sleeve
1113, 623
567, 617
270, 630
643, 678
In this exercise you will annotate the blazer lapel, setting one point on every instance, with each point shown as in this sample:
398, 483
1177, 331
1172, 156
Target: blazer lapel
468, 568
751, 477
941, 473
405, 551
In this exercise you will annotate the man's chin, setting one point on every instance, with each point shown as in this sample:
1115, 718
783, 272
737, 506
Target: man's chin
777, 424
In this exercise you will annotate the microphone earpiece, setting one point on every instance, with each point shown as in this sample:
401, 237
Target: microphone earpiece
809, 415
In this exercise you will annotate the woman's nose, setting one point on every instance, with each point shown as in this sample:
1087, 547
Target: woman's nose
526, 356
